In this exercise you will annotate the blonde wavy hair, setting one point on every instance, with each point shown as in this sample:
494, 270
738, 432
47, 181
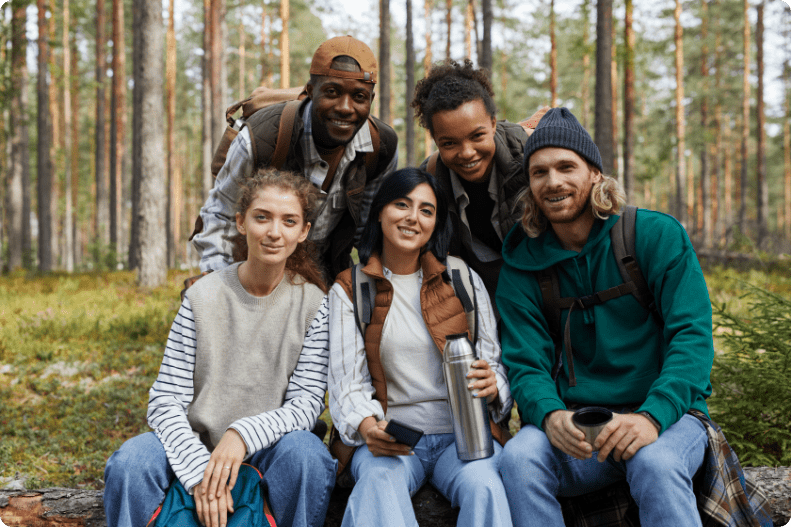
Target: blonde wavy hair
607, 198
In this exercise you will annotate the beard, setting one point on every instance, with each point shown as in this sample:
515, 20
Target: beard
581, 205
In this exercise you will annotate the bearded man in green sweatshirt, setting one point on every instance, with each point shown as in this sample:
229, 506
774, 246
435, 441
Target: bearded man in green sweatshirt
648, 368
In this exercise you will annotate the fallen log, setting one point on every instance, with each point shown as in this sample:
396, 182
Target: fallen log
58, 507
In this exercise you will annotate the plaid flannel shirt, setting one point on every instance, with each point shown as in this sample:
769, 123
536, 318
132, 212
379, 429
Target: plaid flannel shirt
725, 497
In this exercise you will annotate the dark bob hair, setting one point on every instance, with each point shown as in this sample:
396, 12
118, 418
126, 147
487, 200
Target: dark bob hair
398, 185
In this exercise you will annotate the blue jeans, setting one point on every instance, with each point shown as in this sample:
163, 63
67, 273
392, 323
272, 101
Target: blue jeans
659, 476
298, 477
384, 485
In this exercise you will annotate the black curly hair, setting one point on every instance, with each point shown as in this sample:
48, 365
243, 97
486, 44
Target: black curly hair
448, 86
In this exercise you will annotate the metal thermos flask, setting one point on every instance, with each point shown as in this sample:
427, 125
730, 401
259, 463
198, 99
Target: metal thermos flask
470, 415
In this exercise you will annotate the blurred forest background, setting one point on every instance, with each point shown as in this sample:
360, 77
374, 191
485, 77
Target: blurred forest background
112, 109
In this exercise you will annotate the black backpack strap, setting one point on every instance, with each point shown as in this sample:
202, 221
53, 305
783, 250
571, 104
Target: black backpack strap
622, 237
461, 279
553, 306
364, 293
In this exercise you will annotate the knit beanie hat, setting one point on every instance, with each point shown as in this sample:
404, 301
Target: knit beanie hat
559, 128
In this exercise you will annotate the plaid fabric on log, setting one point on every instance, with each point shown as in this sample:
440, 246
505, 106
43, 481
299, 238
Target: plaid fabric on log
725, 497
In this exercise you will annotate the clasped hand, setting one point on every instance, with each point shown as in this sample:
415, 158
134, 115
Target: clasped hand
483, 379
213, 501
623, 436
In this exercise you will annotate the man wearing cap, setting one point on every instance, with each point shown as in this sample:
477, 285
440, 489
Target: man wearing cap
648, 369
333, 143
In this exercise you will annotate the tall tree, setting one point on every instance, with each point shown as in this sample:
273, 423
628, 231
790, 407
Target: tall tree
151, 196
102, 225
18, 138
217, 56
384, 60
448, 23
614, 106
603, 132
44, 144
705, 175
428, 6
628, 103
787, 149
553, 57
57, 142
680, 208
485, 59
469, 15
745, 118
170, 89
285, 52
206, 104
717, 157
117, 127
410, 87
68, 225
586, 63
78, 234
763, 187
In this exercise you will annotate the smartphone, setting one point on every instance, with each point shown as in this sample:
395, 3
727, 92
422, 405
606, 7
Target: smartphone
404, 434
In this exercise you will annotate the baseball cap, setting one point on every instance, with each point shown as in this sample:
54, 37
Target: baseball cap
351, 47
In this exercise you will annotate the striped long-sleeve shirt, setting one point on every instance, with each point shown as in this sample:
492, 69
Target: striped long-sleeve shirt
173, 391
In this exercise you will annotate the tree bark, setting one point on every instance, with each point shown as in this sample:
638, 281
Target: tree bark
102, 224
680, 209
614, 85
57, 142
44, 166
716, 207
486, 60
148, 105
74, 88
285, 54
68, 225
762, 198
170, 87
586, 65
553, 58
603, 134
384, 60
469, 15
428, 6
410, 87
24, 159
117, 128
18, 153
206, 104
787, 152
745, 120
628, 104
705, 174
448, 25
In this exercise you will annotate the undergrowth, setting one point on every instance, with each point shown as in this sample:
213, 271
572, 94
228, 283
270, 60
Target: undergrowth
79, 352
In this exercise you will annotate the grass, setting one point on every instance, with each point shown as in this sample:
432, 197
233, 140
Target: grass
79, 352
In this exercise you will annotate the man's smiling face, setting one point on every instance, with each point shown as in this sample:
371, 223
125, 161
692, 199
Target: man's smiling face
340, 108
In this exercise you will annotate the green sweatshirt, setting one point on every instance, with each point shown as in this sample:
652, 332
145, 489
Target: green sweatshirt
621, 354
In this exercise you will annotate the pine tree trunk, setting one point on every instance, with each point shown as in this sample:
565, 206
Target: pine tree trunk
170, 82
787, 158
745, 120
217, 57
762, 198
705, 174
716, 201
727, 192
486, 59
553, 58
102, 224
384, 60
68, 230
410, 87
448, 25
428, 6
680, 209
151, 196
586, 65
206, 104
117, 128
468, 17
614, 84
603, 134
57, 144
14, 197
285, 55
628, 104
44, 167
74, 88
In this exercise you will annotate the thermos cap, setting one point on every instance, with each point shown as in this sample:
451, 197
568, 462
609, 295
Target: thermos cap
455, 336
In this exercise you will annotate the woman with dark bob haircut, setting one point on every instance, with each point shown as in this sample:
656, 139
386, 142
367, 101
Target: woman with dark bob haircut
478, 163
394, 371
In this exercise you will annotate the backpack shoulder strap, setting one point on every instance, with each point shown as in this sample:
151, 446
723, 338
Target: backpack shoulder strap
364, 293
461, 280
372, 158
284, 133
622, 236
552, 307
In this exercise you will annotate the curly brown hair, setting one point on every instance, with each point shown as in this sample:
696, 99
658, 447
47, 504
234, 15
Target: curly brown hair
448, 86
304, 260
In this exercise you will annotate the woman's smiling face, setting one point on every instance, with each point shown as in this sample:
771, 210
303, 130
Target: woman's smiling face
465, 139
408, 223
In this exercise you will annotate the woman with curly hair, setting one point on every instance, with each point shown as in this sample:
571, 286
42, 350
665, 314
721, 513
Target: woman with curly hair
479, 163
243, 378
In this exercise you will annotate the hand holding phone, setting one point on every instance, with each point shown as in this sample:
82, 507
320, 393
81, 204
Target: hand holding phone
403, 433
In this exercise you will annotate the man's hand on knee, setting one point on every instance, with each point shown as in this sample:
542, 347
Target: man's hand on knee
563, 435
624, 436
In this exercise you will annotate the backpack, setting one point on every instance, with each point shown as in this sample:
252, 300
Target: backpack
622, 238
250, 506
457, 273
263, 97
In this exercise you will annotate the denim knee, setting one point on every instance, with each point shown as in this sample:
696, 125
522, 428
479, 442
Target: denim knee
525, 457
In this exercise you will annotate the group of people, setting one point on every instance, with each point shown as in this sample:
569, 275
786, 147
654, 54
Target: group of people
256, 343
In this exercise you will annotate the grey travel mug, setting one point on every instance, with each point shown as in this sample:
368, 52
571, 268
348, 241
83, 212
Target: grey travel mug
470, 415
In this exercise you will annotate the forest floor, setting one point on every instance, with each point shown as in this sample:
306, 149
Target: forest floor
79, 352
